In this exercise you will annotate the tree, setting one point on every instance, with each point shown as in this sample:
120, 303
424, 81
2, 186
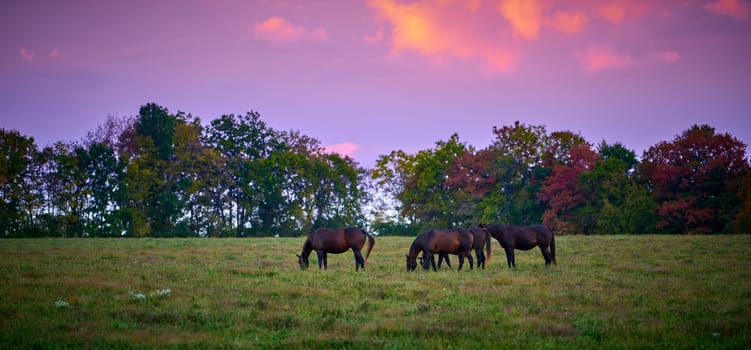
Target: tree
565, 199
615, 199
243, 141
695, 179
519, 170
152, 206
426, 196
17, 157
102, 174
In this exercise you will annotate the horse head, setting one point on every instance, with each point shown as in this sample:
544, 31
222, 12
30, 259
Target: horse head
304, 262
411, 263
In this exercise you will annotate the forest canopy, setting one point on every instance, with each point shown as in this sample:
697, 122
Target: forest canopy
162, 174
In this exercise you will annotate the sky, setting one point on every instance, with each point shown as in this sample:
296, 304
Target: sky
373, 76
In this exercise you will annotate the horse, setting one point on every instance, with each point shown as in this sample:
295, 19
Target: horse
512, 237
335, 241
482, 239
455, 241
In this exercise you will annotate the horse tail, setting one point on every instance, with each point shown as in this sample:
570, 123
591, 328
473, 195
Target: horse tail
552, 247
487, 245
371, 243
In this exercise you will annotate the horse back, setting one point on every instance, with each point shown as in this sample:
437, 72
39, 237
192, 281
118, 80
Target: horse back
528, 237
335, 240
451, 241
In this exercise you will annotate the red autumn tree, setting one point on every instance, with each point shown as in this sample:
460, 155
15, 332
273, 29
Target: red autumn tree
562, 194
695, 179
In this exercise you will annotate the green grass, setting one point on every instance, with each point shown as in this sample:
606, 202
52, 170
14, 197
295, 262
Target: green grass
607, 292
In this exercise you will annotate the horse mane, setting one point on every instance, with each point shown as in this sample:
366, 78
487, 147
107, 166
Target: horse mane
307, 247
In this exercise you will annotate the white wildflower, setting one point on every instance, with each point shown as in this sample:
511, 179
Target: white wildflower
60, 303
138, 295
163, 292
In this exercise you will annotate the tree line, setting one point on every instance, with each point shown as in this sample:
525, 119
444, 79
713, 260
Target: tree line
162, 174
697, 183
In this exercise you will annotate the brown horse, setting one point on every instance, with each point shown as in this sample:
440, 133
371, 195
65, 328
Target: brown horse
482, 239
336, 241
524, 238
457, 241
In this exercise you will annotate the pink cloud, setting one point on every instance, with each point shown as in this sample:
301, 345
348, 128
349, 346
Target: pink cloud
279, 30
372, 39
55, 53
667, 56
525, 16
568, 22
25, 54
444, 29
733, 8
596, 59
347, 149
616, 11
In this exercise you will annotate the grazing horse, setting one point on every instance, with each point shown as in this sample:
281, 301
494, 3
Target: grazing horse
524, 238
482, 239
335, 241
456, 241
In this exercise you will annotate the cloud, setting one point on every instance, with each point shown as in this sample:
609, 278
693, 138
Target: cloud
55, 52
616, 11
347, 149
733, 8
25, 54
375, 38
568, 22
441, 29
596, 59
525, 17
667, 56
280, 31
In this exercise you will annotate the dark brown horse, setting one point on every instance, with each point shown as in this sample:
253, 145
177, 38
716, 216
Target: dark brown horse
457, 241
524, 238
482, 239
336, 241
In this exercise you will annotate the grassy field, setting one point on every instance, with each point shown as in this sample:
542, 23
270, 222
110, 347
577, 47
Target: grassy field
607, 292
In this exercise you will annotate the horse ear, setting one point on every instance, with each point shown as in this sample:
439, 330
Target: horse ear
298, 255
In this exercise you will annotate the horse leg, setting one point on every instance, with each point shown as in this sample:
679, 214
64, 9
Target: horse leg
443, 257
461, 262
321, 255
469, 257
431, 261
325, 261
480, 258
510, 257
545, 254
359, 260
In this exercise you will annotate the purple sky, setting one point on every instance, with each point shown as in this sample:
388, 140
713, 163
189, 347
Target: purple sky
369, 77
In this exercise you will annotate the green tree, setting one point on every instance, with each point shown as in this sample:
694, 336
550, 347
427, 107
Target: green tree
519, 171
17, 159
243, 141
102, 174
152, 206
615, 199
